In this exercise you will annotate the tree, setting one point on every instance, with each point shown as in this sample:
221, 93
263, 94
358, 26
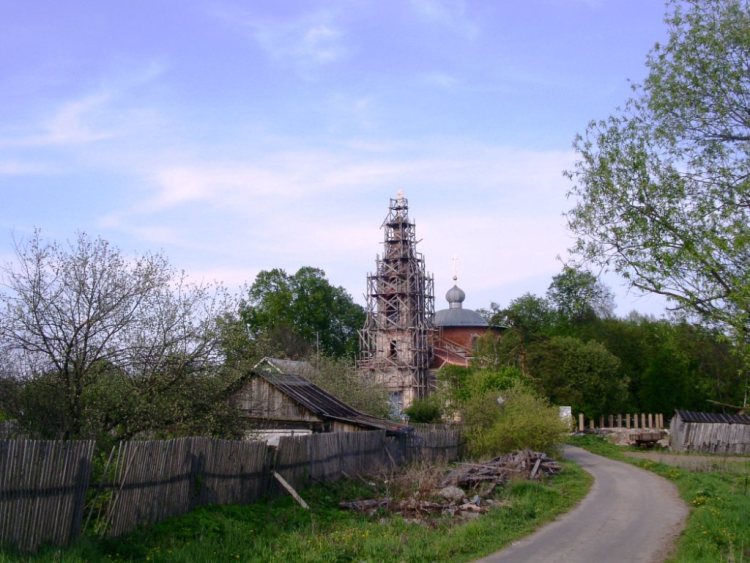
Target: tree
577, 295
529, 314
662, 187
75, 315
340, 378
584, 375
298, 314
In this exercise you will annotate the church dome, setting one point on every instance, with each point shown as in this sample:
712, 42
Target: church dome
456, 315
455, 297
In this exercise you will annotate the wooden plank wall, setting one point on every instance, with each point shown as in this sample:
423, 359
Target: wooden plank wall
439, 445
710, 437
329, 456
42, 491
163, 478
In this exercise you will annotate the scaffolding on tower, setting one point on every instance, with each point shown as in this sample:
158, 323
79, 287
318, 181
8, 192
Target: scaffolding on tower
395, 342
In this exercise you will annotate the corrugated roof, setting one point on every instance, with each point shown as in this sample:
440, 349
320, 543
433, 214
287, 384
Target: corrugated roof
316, 400
713, 418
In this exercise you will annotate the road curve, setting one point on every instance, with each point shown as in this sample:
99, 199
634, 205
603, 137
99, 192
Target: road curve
629, 515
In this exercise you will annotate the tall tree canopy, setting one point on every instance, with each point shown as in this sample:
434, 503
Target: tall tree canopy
300, 313
576, 295
662, 187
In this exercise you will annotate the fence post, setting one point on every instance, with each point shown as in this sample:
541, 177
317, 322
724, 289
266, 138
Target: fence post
650, 420
627, 421
580, 422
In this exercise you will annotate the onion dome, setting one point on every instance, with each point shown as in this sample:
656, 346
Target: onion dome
456, 315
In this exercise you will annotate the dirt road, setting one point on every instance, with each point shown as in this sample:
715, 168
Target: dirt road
630, 515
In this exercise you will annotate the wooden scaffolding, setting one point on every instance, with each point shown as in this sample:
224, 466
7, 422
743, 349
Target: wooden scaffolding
395, 342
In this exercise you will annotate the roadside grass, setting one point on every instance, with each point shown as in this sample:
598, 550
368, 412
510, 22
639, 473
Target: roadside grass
718, 494
278, 530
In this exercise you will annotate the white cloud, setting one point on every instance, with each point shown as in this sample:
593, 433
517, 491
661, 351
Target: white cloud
308, 41
441, 80
20, 168
99, 115
450, 14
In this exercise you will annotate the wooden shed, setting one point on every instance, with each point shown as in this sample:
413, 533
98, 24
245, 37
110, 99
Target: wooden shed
276, 396
710, 432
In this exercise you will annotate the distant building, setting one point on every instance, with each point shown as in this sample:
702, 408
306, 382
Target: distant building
457, 330
403, 339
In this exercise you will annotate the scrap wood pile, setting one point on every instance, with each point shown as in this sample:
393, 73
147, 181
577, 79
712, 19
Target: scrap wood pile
523, 463
450, 496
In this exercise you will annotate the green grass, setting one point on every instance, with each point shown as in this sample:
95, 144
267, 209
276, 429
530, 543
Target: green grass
279, 530
718, 494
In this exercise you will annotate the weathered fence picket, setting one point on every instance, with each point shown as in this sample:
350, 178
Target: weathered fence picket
640, 421
42, 491
43, 484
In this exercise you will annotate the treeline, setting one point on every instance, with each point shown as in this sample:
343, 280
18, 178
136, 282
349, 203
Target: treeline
570, 346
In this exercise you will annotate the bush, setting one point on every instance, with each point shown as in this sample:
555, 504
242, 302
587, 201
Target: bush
500, 422
425, 410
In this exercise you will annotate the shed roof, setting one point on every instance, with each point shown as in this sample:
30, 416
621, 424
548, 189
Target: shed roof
713, 418
279, 374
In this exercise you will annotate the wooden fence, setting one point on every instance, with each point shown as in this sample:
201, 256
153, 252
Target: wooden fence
329, 457
154, 480
43, 484
436, 445
635, 421
42, 490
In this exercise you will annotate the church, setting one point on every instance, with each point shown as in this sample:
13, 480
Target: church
404, 340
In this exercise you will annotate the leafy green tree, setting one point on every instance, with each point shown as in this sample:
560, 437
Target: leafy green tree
529, 314
661, 187
584, 375
302, 313
577, 295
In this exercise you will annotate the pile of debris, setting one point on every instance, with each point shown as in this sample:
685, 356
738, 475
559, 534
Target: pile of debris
451, 498
449, 501
523, 463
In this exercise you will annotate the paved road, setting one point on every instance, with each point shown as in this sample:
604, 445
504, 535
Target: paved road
630, 515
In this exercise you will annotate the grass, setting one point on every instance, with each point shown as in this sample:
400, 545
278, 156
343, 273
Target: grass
280, 531
718, 494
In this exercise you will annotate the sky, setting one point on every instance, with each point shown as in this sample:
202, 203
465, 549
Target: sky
239, 136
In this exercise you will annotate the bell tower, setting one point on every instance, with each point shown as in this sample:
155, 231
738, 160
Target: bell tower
395, 341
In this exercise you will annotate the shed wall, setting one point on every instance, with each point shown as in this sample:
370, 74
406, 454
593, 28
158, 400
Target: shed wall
709, 437
258, 399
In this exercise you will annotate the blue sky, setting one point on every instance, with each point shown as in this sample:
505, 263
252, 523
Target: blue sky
238, 136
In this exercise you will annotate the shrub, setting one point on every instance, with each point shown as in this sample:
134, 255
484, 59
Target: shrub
499, 422
425, 410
